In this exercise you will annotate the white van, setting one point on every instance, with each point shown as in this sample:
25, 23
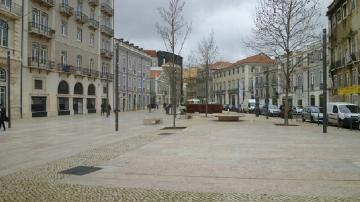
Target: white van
248, 105
342, 113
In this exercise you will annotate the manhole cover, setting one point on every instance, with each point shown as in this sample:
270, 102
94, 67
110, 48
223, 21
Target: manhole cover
165, 133
173, 128
80, 170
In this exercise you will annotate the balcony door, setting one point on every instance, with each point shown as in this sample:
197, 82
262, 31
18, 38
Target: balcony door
44, 21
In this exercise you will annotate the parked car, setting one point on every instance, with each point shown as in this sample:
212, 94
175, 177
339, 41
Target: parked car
273, 110
343, 114
312, 114
298, 110
225, 107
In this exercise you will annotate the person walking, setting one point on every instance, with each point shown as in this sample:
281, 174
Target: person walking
102, 109
2, 117
108, 110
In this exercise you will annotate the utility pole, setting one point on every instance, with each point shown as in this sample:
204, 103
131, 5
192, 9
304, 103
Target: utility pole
207, 87
8, 89
22, 58
238, 95
107, 93
325, 120
267, 92
117, 88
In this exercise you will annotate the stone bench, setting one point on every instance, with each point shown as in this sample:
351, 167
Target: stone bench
152, 121
228, 117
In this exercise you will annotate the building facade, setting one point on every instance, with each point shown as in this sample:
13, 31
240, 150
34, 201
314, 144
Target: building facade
67, 55
134, 72
10, 42
236, 83
160, 87
306, 81
344, 39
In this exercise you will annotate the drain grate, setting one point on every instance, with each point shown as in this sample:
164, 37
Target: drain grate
173, 128
165, 133
80, 170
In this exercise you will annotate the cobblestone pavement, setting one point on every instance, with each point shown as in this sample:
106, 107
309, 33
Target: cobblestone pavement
44, 183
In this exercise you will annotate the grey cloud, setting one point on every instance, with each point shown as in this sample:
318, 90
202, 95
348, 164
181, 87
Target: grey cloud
231, 21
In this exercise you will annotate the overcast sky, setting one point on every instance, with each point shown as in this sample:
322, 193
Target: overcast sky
231, 21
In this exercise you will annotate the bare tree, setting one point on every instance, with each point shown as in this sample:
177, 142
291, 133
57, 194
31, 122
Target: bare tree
174, 32
207, 50
283, 27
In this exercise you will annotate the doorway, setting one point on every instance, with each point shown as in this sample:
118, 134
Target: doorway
78, 106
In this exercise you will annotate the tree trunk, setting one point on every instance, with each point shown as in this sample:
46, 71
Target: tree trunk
287, 78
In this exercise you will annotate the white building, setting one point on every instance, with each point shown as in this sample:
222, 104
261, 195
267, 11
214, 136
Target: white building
236, 83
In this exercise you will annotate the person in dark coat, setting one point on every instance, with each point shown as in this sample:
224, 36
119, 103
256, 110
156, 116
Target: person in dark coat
102, 109
108, 110
2, 117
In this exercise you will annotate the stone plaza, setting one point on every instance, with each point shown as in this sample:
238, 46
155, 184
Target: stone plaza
249, 160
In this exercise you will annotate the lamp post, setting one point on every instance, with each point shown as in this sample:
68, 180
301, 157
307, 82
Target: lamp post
8, 89
117, 88
325, 83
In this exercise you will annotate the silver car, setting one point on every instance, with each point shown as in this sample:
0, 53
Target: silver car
312, 114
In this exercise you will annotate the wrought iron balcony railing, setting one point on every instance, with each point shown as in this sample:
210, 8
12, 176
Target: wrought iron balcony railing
81, 17
107, 30
107, 9
46, 3
66, 10
10, 9
93, 24
41, 30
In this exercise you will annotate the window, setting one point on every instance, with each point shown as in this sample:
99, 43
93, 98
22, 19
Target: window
338, 15
64, 28
79, 5
344, 10
92, 13
38, 84
92, 39
4, 33
353, 4
2, 75
79, 34
354, 77
35, 52
63, 58
5, 3
78, 62
43, 59
335, 110
91, 66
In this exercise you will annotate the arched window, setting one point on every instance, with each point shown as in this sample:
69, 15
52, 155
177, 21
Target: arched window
91, 90
4, 36
63, 88
78, 89
2, 75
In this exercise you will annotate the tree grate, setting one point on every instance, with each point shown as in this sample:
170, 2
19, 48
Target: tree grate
80, 170
173, 128
165, 133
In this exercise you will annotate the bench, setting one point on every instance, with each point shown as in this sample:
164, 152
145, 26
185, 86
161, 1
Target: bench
152, 121
228, 117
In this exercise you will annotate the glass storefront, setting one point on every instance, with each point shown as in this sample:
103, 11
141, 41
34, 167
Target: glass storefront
63, 106
38, 107
91, 105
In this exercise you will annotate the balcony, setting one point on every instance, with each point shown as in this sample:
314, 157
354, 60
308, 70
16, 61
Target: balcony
105, 75
106, 53
66, 10
41, 30
40, 64
10, 10
94, 2
93, 24
65, 68
80, 17
94, 73
46, 3
107, 30
107, 9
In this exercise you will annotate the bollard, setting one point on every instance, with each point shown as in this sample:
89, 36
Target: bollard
351, 120
338, 122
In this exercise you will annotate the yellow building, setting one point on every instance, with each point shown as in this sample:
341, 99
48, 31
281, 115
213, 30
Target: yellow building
344, 38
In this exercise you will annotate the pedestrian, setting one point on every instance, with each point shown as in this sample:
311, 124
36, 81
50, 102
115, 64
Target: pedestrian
108, 110
102, 109
2, 117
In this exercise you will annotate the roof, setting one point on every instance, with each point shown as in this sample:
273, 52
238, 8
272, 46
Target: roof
154, 74
152, 53
220, 65
259, 58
